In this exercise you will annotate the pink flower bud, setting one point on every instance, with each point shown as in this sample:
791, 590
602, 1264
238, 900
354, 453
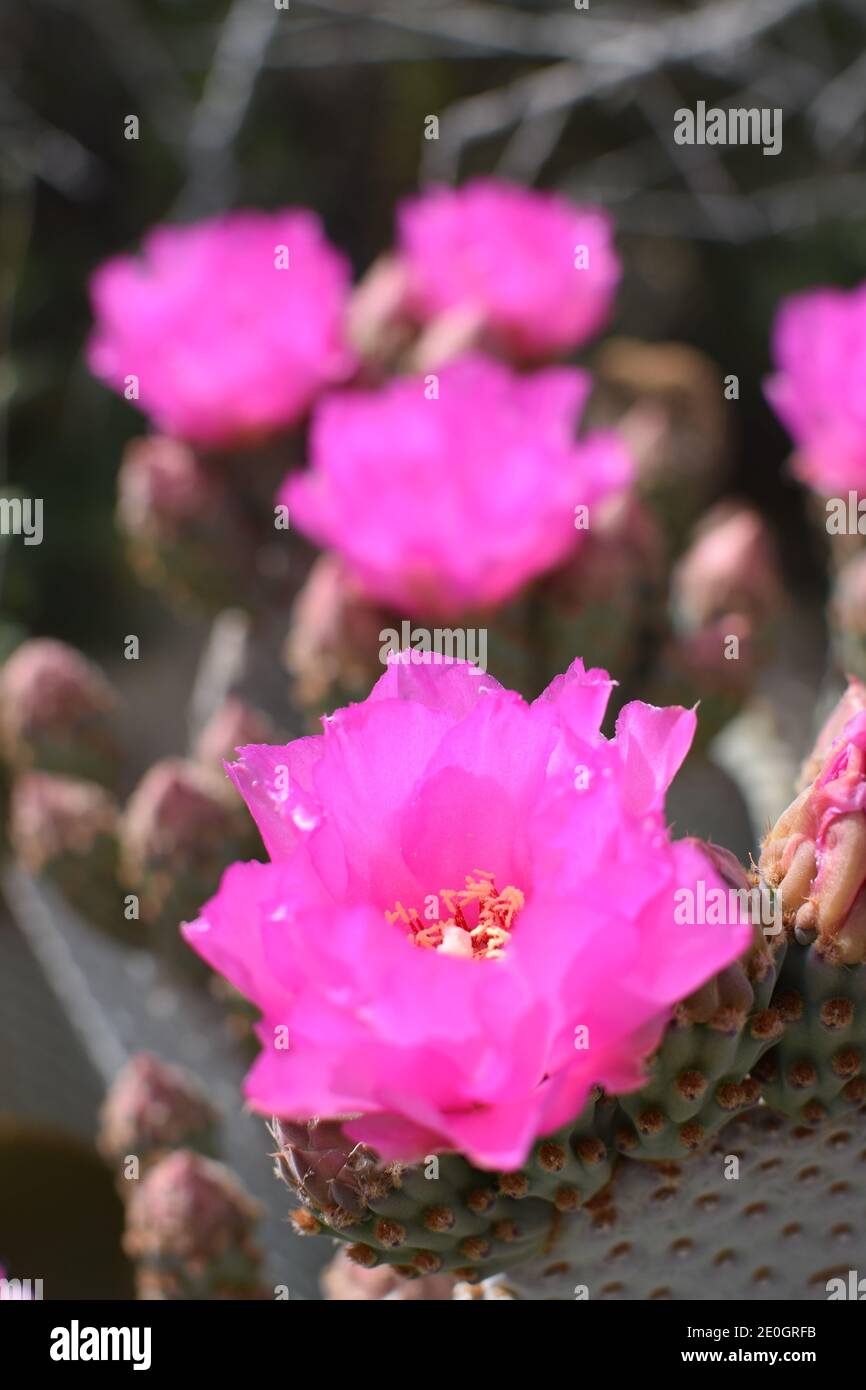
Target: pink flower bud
57, 711
229, 728
851, 703
177, 835
66, 830
153, 1107
190, 1230
729, 568
378, 326
185, 531
332, 647
815, 855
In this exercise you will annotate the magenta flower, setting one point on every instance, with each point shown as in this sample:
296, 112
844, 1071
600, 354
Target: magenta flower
229, 327
819, 387
468, 917
539, 272
452, 503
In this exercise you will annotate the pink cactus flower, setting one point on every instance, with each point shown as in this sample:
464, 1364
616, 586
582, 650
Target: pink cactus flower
819, 386
442, 504
539, 272
461, 884
229, 327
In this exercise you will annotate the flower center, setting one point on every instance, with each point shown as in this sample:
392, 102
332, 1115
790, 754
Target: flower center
479, 923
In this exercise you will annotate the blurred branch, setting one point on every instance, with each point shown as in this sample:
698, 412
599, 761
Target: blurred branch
641, 50
238, 58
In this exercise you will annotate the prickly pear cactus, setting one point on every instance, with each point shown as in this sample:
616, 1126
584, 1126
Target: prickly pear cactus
815, 1070
583, 1219
768, 1211
444, 1214
702, 1073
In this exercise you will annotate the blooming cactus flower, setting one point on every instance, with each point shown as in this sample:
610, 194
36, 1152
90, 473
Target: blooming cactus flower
447, 503
815, 855
819, 386
468, 914
539, 273
229, 327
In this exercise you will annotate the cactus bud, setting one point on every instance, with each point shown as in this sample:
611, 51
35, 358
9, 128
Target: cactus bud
57, 711
190, 1231
343, 1280
378, 327
815, 854
177, 835
186, 534
66, 830
851, 703
333, 644
232, 726
150, 1109
729, 568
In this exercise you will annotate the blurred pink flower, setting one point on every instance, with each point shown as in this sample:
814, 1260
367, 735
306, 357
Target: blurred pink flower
543, 848
443, 505
819, 386
540, 272
225, 344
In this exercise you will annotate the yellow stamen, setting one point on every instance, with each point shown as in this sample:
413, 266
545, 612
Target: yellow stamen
494, 914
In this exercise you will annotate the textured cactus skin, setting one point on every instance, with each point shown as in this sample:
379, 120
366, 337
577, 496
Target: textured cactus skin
788, 1223
676, 1224
816, 1067
700, 1074
465, 1220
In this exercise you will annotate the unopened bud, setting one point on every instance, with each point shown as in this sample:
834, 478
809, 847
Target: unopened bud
150, 1109
57, 712
729, 568
332, 648
191, 1232
177, 836
815, 855
851, 703
185, 531
66, 830
231, 727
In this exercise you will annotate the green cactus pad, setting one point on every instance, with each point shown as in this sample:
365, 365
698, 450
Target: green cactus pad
786, 1224
443, 1214
817, 1066
700, 1076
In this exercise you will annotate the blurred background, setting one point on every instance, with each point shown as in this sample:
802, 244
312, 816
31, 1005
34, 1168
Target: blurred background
324, 105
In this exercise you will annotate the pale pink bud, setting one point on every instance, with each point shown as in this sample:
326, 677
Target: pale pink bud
190, 1230
153, 1107
333, 643
57, 711
730, 567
